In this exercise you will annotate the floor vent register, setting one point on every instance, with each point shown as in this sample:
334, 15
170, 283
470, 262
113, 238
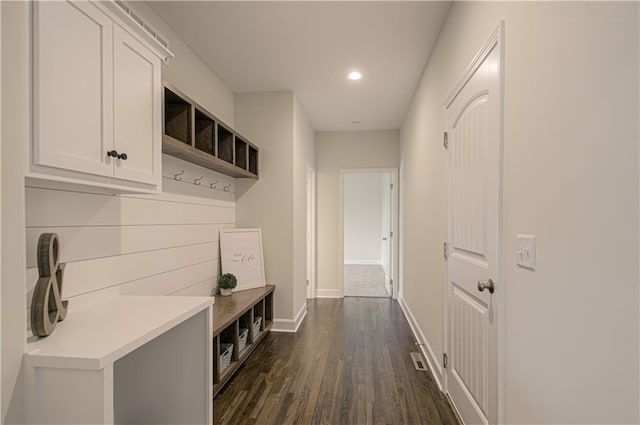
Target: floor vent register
418, 361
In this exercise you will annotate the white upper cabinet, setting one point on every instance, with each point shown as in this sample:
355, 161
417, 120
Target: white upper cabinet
73, 87
138, 96
97, 98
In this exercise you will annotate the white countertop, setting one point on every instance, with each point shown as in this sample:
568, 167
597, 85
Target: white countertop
97, 335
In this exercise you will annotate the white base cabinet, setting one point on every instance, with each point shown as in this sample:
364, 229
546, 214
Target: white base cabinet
144, 360
97, 98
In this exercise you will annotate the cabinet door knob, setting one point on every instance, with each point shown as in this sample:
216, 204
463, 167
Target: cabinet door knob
113, 154
122, 156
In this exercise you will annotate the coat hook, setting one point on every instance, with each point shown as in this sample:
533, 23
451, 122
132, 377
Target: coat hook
178, 177
226, 188
197, 181
213, 185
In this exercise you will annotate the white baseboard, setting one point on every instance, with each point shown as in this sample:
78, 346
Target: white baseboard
364, 262
329, 293
425, 348
288, 325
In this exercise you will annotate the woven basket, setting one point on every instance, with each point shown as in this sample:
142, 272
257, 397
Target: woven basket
226, 350
244, 334
257, 321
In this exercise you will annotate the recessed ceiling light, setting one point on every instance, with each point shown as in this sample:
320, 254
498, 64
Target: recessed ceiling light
355, 75
356, 123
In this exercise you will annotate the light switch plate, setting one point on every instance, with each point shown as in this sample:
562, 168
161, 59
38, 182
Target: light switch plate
526, 254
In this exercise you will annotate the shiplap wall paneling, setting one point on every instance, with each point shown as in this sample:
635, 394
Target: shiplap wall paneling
134, 244
50, 208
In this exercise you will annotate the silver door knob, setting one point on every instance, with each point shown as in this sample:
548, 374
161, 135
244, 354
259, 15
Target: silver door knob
486, 285
384, 239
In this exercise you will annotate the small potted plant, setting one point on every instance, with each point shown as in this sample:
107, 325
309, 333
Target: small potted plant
226, 283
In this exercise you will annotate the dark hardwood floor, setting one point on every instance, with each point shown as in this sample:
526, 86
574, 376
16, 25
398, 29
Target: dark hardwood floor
349, 363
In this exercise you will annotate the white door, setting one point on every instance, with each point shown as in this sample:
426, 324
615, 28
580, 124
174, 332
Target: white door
473, 200
73, 77
386, 231
137, 106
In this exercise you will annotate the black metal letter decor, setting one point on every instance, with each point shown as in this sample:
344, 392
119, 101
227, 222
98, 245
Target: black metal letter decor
47, 307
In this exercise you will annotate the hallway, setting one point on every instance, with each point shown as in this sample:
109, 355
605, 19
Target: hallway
349, 363
364, 280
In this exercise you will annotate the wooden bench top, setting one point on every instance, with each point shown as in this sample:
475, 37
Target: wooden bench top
227, 309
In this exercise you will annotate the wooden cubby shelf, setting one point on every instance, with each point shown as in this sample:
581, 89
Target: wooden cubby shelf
193, 134
177, 118
232, 314
225, 144
205, 133
253, 160
241, 153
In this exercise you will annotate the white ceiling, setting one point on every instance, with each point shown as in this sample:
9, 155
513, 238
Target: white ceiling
310, 47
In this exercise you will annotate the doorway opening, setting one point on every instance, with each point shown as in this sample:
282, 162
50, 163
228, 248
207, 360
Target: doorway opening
311, 232
368, 220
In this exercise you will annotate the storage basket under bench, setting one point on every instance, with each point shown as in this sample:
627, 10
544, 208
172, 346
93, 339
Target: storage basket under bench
240, 322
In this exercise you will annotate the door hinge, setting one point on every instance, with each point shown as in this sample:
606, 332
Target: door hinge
445, 360
391, 234
446, 140
445, 250
391, 186
307, 282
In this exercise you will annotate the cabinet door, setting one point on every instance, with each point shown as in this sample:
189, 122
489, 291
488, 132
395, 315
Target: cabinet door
73, 87
137, 110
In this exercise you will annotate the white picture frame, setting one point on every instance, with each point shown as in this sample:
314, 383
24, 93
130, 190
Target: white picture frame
241, 254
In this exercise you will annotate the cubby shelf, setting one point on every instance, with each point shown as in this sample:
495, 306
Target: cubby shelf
232, 313
193, 134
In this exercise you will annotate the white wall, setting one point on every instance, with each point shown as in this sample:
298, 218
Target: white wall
267, 118
1, 404
336, 151
186, 71
15, 134
363, 215
570, 178
277, 202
